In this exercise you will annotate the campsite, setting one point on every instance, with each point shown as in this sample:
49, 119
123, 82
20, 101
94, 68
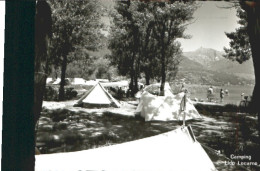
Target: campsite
222, 131
144, 85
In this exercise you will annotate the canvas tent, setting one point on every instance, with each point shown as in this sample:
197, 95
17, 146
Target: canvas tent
77, 81
165, 108
97, 96
48, 80
57, 81
175, 150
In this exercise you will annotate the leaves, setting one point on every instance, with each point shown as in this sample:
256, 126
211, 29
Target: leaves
76, 27
240, 49
145, 30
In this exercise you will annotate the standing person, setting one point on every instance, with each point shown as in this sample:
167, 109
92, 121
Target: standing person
242, 96
183, 106
221, 95
182, 89
210, 93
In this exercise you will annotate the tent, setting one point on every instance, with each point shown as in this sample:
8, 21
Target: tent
97, 96
48, 80
77, 81
57, 81
165, 108
175, 150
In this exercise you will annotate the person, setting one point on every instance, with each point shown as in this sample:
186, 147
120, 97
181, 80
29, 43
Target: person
210, 93
242, 96
226, 92
183, 105
221, 95
182, 89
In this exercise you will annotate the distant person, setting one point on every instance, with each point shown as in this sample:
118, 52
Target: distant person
119, 92
226, 92
128, 93
182, 89
242, 96
183, 105
221, 95
210, 93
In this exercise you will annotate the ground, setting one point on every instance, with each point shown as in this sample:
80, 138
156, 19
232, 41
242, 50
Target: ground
64, 128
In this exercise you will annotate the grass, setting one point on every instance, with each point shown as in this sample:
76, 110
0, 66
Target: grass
224, 128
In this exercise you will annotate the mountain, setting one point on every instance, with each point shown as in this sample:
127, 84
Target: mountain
204, 56
245, 70
213, 60
208, 66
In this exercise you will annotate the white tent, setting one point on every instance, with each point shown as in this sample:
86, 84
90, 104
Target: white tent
116, 84
165, 108
78, 81
48, 80
91, 82
57, 81
97, 96
176, 150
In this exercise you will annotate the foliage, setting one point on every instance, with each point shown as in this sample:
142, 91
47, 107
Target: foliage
239, 50
143, 37
76, 29
52, 93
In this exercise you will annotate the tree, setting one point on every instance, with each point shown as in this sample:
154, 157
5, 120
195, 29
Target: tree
252, 9
76, 27
124, 43
42, 56
251, 24
170, 21
145, 34
239, 50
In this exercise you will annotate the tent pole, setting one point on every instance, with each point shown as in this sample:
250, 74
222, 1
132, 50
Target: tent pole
183, 106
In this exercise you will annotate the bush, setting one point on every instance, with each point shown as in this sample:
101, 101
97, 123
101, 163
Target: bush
52, 93
70, 93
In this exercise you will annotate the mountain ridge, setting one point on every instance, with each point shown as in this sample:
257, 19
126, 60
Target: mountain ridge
208, 66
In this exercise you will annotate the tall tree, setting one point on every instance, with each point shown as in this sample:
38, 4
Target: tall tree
145, 35
170, 24
124, 42
240, 49
42, 56
245, 44
252, 9
76, 27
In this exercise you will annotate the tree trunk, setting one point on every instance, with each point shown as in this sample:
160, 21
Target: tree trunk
253, 19
63, 75
163, 72
147, 77
135, 82
132, 73
41, 64
137, 65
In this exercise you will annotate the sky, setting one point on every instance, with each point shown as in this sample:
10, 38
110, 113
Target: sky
208, 30
211, 23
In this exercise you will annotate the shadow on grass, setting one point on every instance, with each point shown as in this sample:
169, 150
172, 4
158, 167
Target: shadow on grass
222, 129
